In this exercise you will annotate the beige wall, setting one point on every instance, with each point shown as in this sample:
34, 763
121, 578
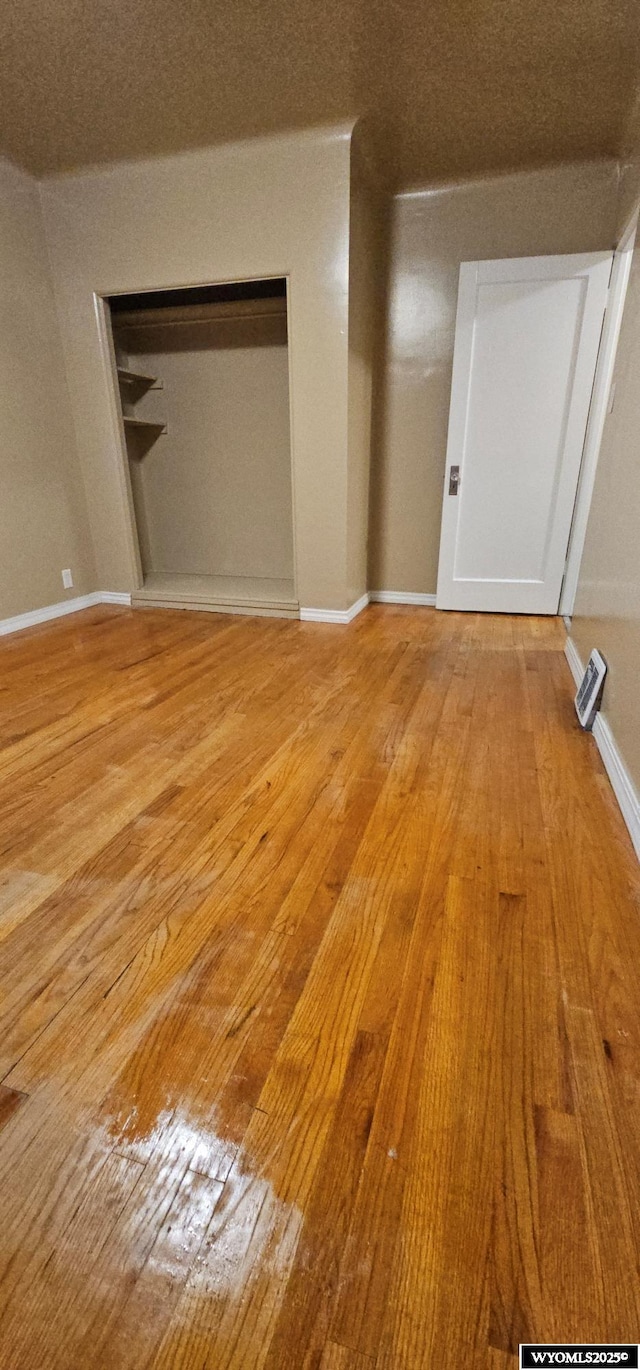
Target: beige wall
563, 209
270, 207
607, 608
216, 489
629, 188
289, 205
43, 518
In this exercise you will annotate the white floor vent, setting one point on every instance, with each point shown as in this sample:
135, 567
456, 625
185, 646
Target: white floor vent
590, 689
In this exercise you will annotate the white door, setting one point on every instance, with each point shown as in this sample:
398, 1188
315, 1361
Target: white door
527, 336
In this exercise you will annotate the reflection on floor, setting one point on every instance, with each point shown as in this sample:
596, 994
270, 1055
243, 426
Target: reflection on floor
320, 1016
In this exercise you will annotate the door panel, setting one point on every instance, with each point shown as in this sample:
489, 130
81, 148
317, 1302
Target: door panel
527, 335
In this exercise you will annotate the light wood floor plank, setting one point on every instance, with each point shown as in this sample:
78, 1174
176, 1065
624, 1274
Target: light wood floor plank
319, 997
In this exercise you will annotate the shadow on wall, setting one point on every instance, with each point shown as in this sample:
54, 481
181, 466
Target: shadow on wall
378, 493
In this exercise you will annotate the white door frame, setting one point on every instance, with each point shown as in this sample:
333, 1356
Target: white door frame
598, 412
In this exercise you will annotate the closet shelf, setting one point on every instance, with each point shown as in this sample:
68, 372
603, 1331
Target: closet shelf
131, 422
226, 311
136, 378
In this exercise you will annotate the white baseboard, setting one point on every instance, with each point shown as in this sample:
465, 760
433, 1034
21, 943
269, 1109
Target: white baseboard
335, 615
113, 597
621, 782
400, 597
371, 597
573, 657
65, 606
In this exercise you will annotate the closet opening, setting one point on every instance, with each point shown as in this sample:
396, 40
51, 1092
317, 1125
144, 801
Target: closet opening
203, 390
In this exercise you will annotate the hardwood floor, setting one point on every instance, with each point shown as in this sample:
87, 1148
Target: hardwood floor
320, 1000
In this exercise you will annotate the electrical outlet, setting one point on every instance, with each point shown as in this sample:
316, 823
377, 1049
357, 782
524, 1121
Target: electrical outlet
67, 580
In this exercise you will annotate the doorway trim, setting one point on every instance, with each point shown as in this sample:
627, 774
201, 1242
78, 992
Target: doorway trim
102, 314
598, 409
108, 355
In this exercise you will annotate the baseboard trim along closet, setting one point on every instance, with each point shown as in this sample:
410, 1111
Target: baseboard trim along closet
113, 597
621, 782
335, 615
372, 597
66, 606
400, 597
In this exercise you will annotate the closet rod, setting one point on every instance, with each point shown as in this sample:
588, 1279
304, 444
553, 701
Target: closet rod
200, 313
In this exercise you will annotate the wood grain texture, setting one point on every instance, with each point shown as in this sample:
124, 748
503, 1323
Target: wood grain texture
319, 997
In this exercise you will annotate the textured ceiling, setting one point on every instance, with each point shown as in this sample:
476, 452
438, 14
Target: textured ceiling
453, 87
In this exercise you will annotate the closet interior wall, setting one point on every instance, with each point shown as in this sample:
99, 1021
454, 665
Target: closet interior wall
208, 442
